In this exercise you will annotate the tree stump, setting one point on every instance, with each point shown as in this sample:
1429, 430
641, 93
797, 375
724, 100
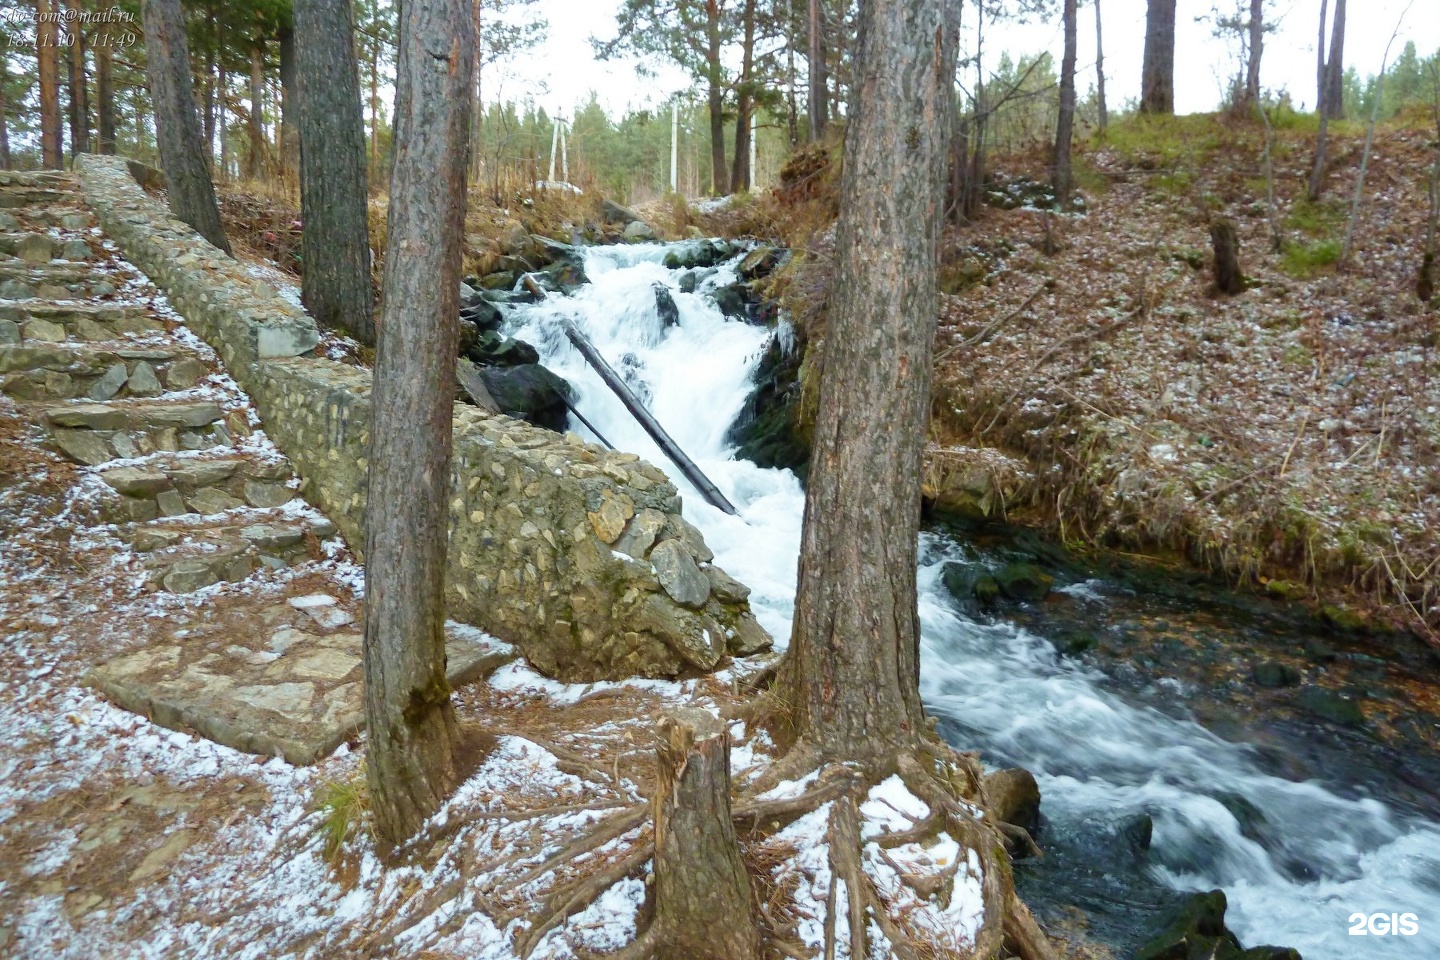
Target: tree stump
1226, 241
702, 893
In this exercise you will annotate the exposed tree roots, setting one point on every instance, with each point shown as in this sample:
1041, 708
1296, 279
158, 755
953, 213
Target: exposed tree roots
880, 903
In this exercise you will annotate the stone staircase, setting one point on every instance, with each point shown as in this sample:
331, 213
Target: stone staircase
180, 490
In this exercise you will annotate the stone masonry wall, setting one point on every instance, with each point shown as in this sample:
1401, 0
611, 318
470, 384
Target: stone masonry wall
576, 554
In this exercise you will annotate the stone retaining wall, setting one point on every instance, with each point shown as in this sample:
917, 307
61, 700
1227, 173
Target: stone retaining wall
576, 554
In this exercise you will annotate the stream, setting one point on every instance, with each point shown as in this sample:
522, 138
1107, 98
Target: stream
1300, 822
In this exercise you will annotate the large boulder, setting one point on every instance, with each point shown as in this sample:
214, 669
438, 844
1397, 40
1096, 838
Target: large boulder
491, 349
639, 232
1014, 797
529, 392
1024, 582
1195, 930
615, 213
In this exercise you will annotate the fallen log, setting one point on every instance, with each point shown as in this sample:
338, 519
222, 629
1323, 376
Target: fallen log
669, 447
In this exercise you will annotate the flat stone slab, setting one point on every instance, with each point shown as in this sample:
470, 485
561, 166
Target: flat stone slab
286, 686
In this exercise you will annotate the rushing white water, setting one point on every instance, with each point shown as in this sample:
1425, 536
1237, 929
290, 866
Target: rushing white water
1095, 755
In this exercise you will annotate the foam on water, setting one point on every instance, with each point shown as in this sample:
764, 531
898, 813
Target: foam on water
1093, 753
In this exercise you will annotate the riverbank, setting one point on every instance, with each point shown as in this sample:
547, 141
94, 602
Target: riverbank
1286, 438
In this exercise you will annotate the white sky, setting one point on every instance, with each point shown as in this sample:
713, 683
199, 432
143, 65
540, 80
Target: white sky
562, 71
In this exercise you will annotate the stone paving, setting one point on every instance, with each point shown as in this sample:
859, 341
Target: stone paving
178, 489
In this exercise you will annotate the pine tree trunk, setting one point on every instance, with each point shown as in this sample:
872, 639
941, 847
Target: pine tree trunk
222, 122
411, 722
1335, 66
209, 102
257, 98
1065, 126
740, 172
335, 242
47, 55
79, 95
104, 95
702, 892
4, 114
1257, 47
177, 128
290, 95
852, 670
1226, 243
1100, 71
816, 56
1157, 80
475, 145
719, 180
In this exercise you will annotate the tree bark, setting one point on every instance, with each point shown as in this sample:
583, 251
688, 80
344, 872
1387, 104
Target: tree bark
290, 92
852, 671
222, 122
702, 892
47, 56
1257, 47
1226, 243
104, 94
1335, 66
79, 98
1065, 125
4, 113
177, 128
719, 180
818, 104
209, 101
334, 208
1157, 80
1322, 96
1100, 70
477, 117
740, 172
412, 728
255, 163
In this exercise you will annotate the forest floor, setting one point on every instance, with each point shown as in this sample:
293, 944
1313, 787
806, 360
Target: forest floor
1287, 438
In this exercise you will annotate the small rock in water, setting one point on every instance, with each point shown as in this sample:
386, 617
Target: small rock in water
1272, 675
665, 307
1024, 582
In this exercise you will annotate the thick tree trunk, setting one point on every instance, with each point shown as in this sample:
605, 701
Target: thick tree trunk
177, 128
1157, 79
47, 55
740, 172
702, 892
1335, 66
104, 94
1100, 70
852, 671
1257, 47
818, 104
335, 242
79, 94
719, 180
255, 164
1065, 126
1226, 242
412, 727
290, 94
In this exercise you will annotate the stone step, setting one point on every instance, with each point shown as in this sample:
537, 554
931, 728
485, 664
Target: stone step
186, 555
42, 248
43, 218
95, 433
64, 279
35, 193
39, 370
199, 485
49, 179
25, 320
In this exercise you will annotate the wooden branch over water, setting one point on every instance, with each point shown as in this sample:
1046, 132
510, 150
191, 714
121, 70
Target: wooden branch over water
669, 447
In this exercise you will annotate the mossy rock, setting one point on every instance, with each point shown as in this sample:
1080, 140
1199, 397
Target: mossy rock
1024, 582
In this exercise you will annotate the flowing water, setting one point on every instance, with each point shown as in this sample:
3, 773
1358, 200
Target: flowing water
1323, 850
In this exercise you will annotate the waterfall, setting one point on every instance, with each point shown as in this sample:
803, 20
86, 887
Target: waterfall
1009, 694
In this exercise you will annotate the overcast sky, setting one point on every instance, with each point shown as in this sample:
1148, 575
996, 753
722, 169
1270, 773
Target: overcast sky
563, 71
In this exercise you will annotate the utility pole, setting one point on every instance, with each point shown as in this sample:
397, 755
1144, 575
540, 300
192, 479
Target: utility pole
674, 144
